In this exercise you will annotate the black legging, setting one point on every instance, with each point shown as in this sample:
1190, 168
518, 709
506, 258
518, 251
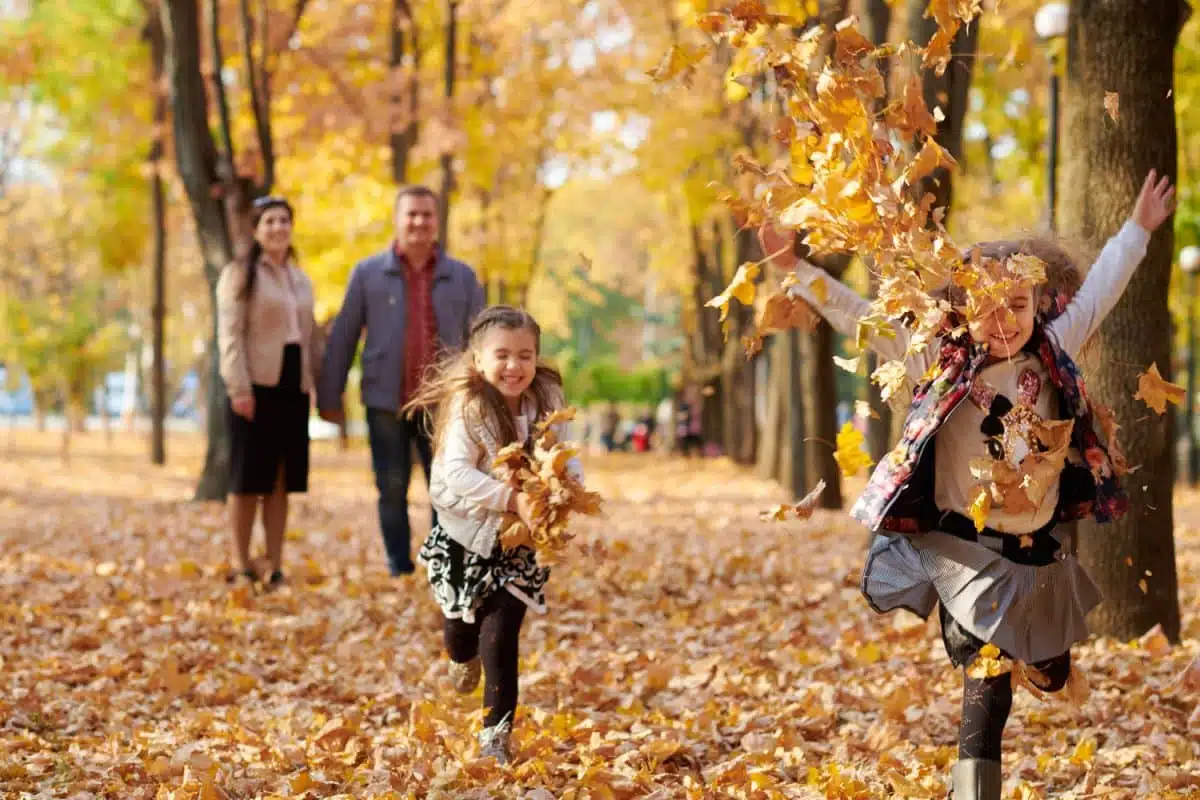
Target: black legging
495, 637
988, 701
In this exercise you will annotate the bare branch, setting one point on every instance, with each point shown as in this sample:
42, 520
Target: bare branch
226, 161
262, 121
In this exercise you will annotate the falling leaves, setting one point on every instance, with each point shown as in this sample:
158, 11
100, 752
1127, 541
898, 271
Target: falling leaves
989, 663
851, 454
679, 63
1156, 392
802, 510
1112, 105
741, 287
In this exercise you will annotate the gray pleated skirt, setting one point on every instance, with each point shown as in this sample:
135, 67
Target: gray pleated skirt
1030, 613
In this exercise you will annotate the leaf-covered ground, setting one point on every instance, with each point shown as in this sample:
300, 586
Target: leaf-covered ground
692, 651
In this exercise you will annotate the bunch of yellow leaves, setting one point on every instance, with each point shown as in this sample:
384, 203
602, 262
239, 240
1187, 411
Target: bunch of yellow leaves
544, 477
988, 283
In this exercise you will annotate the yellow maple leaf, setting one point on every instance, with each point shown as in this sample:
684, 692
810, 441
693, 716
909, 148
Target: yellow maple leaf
741, 287
1155, 391
989, 663
851, 454
679, 62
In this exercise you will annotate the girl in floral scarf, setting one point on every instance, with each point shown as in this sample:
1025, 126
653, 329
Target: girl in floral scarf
999, 446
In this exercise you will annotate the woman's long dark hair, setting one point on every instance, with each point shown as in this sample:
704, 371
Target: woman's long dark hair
457, 379
261, 206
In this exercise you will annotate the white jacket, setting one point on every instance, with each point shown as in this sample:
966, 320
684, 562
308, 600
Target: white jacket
470, 503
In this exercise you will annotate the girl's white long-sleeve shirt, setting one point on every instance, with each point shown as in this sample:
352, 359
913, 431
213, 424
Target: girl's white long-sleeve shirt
469, 501
960, 439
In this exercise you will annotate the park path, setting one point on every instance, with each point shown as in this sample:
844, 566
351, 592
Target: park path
691, 650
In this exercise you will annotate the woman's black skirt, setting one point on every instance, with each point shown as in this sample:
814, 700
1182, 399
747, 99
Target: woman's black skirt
278, 435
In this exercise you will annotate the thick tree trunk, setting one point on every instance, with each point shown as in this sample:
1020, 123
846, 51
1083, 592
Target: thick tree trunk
1112, 48
196, 158
447, 159
158, 401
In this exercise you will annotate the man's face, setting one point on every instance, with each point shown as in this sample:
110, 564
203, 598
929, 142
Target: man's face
416, 222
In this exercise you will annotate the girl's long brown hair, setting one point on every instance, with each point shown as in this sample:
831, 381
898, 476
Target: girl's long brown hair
457, 379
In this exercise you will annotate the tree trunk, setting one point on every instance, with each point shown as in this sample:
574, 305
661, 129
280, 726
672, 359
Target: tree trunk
158, 402
405, 55
822, 411
196, 158
769, 435
949, 91
795, 473
1111, 48
447, 159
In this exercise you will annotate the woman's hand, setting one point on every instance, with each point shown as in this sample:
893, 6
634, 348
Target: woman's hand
778, 245
1155, 202
243, 406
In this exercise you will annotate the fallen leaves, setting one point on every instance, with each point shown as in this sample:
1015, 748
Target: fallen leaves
1155, 391
741, 287
704, 656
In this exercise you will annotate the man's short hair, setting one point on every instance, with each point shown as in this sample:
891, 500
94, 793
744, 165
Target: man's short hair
415, 190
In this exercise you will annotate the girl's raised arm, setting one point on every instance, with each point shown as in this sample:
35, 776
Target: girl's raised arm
1110, 275
842, 307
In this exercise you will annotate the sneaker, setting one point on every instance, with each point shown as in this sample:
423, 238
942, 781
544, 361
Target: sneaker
275, 581
465, 676
494, 742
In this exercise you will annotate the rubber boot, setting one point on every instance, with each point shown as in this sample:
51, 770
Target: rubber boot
975, 779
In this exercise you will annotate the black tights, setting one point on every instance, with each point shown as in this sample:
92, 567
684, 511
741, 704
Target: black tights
494, 636
988, 701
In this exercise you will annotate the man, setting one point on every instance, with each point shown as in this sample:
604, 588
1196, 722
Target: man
414, 302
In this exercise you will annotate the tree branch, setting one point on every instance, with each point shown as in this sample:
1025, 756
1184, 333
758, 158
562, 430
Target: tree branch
262, 118
225, 162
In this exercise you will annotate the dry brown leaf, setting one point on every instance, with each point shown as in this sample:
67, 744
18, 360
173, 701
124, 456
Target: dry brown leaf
1156, 392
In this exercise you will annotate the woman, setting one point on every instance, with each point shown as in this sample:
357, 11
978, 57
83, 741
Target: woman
268, 340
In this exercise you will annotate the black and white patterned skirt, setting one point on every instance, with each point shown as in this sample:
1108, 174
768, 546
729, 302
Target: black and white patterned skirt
462, 580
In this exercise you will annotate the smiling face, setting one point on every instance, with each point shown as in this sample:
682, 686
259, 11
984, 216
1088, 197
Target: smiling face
416, 222
1009, 327
274, 231
507, 359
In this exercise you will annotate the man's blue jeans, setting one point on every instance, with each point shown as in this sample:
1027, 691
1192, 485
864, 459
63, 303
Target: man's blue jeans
392, 438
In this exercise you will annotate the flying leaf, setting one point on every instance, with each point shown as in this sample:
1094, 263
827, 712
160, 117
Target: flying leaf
851, 454
989, 663
1112, 104
1156, 392
679, 62
848, 364
741, 287
802, 510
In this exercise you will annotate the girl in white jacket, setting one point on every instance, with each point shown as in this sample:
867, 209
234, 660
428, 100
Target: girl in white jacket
490, 396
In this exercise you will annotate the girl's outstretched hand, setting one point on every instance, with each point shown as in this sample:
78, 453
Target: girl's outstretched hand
777, 243
1155, 202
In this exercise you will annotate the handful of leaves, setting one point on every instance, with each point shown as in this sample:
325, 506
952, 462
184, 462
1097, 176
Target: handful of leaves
555, 494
